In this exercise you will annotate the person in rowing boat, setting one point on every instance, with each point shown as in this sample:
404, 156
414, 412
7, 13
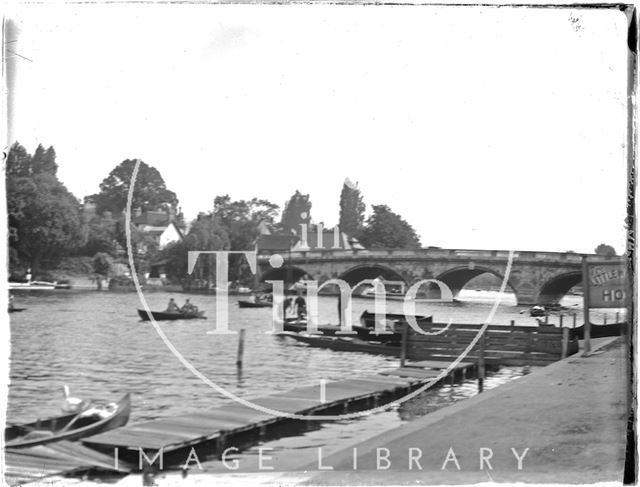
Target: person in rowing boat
172, 307
189, 308
301, 307
288, 302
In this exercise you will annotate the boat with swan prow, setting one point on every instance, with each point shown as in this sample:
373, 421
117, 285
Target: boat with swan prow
81, 419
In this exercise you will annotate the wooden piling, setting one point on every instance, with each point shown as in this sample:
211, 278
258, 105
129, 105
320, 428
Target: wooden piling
565, 342
605, 318
575, 319
617, 316
240, 349
403, 348
513, 322
561, 318
481, 363
546, 319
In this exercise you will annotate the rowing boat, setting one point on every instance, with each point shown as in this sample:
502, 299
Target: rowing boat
87, 422
170, 315
347, 344
250, 304
368, 319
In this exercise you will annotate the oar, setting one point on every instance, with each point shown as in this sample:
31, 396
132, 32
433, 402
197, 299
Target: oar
73, 420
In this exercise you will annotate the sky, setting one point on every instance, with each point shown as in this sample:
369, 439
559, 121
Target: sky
484, 128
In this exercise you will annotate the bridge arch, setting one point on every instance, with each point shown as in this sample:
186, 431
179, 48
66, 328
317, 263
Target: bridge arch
289, 274
356, 274
555, 288
457, 277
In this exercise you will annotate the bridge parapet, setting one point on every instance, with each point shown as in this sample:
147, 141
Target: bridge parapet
435, 254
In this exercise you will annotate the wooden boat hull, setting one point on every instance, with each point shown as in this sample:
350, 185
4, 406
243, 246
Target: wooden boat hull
16, 310
599, 331
348, 344
164, 316
362, 332
250, 304
16, 436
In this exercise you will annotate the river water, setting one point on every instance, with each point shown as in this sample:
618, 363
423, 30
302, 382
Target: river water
96, 343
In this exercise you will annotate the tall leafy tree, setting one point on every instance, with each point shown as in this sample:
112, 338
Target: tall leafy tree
351, 209
43, 214
605, 250
241, 221
204, 234
150, 191
296, 212
386, 229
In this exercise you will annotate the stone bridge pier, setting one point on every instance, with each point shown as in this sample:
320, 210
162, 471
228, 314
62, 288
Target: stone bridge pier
535, 277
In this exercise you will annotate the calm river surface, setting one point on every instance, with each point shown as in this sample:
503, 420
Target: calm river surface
96, 343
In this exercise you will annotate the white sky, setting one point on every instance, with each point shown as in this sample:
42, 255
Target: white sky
483, 127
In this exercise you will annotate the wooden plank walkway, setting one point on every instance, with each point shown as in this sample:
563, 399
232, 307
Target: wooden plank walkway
37, 462
221, 424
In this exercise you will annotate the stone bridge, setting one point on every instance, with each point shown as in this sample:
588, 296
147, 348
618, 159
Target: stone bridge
536, 277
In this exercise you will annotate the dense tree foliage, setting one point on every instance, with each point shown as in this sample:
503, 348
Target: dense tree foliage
241, 221
605, 250
204, 234
351, 209
101, 233
296, 211
386, 229
44, 217
150, 191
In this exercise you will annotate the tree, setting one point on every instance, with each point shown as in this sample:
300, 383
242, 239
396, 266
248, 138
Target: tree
43, 214
296, 212
204, 234
47, 218
351, 209
101, 266
150, 191
386, 229
44, 161
101, 236
241, 221
605, 250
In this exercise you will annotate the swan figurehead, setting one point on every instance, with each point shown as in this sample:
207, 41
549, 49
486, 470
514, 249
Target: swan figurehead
71, 404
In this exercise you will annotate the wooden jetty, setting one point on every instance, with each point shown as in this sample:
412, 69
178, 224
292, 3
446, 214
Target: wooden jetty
498, 345
211, 431
64, 457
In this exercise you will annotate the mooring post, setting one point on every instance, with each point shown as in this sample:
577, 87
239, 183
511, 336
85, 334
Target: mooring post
561, 318
617, 316
565, 342
546, 319
513, 322
575, 317
405, 339
481, 364
605, 318
240, 349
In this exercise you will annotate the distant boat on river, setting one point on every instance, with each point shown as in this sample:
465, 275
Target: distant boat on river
251, 304
170, 315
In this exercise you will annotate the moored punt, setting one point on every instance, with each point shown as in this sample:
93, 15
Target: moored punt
369, 319
69, 426
362, 332
16, 310
348, 344
251, 304
599, 331
170, 316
